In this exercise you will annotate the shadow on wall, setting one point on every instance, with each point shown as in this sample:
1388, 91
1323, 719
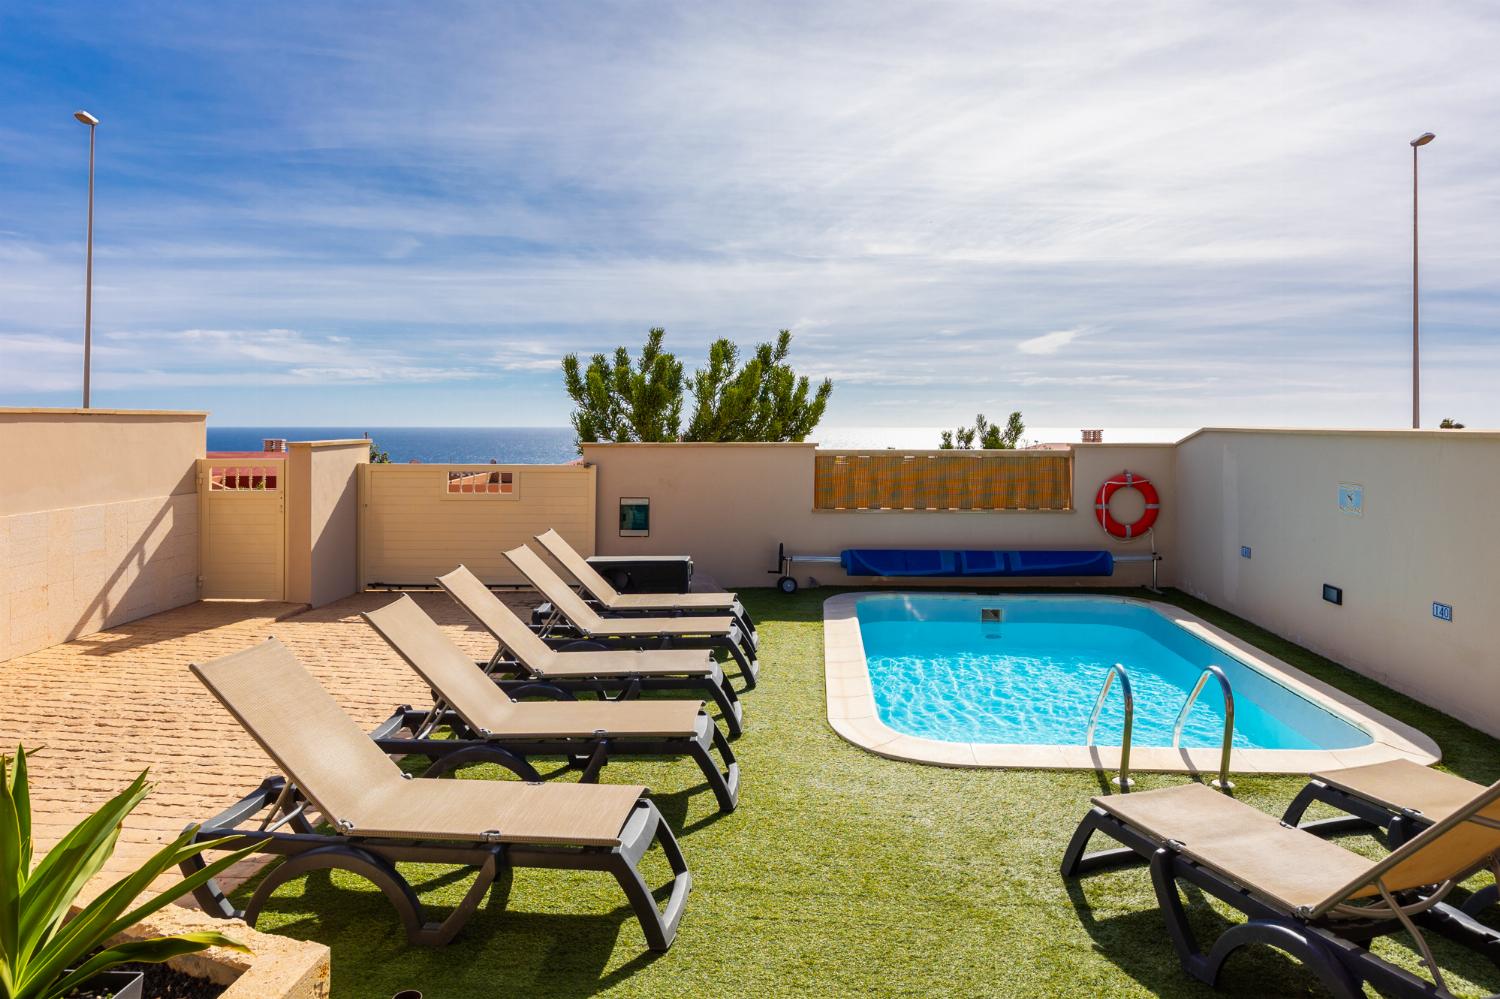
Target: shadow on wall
335, 548
74, 571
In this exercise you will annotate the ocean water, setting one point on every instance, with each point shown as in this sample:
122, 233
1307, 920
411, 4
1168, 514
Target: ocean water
940, 671
550, 445
508, 445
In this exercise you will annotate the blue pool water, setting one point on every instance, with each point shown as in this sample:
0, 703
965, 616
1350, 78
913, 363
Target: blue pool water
940, 672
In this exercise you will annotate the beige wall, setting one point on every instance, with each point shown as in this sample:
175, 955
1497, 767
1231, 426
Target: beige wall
729, 505
243, 543
323, 519
1426, 534
413, 529
98, 520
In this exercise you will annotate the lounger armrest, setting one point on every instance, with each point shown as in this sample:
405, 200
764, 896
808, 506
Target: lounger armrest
395, 723
247, 807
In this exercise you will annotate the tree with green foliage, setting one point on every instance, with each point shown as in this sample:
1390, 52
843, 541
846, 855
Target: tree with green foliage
377, 456
1449, 423
989, 435
765, 400
615, 401
761, 400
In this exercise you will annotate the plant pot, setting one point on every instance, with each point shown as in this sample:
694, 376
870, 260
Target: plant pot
117, 984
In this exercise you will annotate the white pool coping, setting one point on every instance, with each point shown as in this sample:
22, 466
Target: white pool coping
853, 715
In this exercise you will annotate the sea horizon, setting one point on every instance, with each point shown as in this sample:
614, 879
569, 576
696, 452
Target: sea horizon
552, 445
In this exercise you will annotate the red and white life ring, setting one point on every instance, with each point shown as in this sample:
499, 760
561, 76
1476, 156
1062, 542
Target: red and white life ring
1112, 485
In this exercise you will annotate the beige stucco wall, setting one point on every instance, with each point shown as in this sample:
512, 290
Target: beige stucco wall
1425, 535
414, 530
322, 519
729, 505
98, 520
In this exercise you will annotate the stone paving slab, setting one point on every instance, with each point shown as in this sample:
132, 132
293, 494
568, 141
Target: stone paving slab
96, 711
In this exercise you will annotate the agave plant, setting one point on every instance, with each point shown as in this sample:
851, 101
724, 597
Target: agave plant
45, 953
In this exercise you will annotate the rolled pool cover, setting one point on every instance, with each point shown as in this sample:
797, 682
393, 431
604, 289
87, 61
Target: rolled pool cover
954, 562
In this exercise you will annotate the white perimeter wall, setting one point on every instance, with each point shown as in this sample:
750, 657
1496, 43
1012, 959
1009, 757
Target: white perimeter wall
1427, 533
729, 505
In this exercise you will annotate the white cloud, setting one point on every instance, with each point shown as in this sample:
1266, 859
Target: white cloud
1226, 194
1050, 343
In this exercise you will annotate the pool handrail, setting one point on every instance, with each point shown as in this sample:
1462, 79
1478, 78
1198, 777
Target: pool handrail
1123, 780
1223, 783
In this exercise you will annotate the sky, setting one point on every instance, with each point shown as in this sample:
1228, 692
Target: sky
1147, 214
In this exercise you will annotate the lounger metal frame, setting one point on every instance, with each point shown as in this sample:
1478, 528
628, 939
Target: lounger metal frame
735, 610
1399, 825
409, 732
1332, 949
519, 680
286, 831
562, 634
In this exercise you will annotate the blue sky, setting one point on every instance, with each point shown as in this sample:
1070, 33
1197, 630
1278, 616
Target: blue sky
1154, 214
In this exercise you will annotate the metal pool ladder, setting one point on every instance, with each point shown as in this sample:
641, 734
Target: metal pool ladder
1123, 781
1223, 783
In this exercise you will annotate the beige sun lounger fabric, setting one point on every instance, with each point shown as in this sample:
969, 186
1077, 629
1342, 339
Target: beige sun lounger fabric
544, 661
357, 787
488, 710
601, 590
1401, 785
577, 610
1295, 869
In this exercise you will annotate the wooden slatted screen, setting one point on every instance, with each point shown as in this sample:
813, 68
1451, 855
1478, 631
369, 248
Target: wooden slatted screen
943, 480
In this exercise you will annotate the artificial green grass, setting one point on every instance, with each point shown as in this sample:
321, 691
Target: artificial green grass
843, 874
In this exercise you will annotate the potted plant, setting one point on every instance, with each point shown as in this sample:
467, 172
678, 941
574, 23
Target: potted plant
44, 952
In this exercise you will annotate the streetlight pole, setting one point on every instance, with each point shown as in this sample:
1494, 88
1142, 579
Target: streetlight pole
88, 278
1416, 370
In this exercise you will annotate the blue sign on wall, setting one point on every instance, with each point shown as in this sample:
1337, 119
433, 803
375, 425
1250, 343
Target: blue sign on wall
1443, 612
1244, 551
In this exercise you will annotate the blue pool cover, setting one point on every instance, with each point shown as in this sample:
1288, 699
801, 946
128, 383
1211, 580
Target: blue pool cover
953, 562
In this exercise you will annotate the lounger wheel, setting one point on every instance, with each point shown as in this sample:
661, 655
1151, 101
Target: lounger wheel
539, 689
1285, 937
518, 765
787, 585
583, 645
382, 874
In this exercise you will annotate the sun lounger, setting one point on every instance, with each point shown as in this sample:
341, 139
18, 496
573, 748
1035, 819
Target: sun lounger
621, 672
634, 632
611, 601
485, 725
1303, 895
1399, 796
379, 818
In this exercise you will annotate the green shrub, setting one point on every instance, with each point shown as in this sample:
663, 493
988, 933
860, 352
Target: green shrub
44, 953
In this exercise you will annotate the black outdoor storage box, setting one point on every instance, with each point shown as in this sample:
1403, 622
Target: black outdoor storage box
646, 573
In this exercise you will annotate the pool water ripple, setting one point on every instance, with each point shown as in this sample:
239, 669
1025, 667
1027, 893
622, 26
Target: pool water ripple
940, 672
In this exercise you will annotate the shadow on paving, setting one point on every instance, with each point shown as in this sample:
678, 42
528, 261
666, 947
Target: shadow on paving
502, 951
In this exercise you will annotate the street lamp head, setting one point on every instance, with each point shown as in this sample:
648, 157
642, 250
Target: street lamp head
86, 118
1423, 139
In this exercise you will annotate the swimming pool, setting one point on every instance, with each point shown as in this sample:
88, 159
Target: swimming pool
966, 672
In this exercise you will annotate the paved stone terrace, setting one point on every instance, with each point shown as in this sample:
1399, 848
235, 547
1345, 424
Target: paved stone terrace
94, 712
